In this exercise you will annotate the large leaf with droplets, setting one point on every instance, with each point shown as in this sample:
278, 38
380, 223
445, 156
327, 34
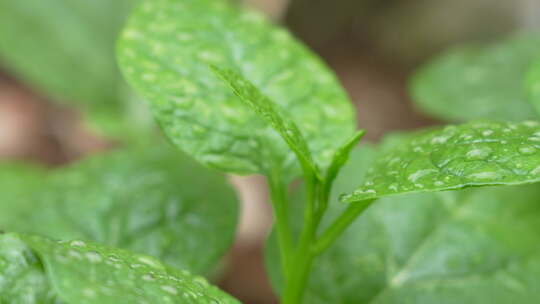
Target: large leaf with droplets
150, 200
457, 156
477, 245
65, 49
478, 82
88, 273
165, 52
22, 278
272, 114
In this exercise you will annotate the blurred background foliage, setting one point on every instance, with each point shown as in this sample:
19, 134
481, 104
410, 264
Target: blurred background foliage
62, 96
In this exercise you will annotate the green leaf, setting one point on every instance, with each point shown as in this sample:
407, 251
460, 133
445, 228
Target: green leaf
342, 155
165, 52
532, 84
272, 114
477, 245
65, 48
22, 278
89, 273
458, 156
478, 81
150, 200
16, 181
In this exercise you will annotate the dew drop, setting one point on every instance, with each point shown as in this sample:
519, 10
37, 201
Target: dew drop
439, 139
77, 243
93, 257
478, 154
534, 138
113, 258
488, 175
74, 254
527, 150
169, 289
487, 132
419, 174
148, 261
535, 171
148, 277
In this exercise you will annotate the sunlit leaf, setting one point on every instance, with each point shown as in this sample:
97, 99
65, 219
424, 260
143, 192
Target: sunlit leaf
470, 246
458, 156
165, 52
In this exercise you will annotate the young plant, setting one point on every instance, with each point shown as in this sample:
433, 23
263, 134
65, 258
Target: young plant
241, 95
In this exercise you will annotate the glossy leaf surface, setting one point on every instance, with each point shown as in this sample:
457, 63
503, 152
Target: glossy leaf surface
22, 278
89, 273
165, 52
473, 154
150, 200
477, 245
271, 113
478, 81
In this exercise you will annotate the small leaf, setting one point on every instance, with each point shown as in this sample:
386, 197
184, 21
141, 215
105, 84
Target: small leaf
65, 48
478, 82
272, 114
22, 278
473, 154
89, 273
165, 52
341, 156
150, 200
471, 246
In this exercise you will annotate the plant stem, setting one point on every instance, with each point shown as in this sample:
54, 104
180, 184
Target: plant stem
303, 257
278, 196
340, 224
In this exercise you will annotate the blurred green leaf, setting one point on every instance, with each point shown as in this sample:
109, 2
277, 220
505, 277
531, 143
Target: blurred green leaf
473, 154
478, 82
471, 246
150, 200
532, 84
165, 52
65, 48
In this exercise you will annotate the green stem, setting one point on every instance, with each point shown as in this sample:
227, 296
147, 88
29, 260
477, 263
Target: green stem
278, 196
303, 257
340, 225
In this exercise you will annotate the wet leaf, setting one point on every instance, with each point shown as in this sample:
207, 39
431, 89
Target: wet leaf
458, 156
88, 273
272, 114
478, 81
165, 52
476, 245
22, 278
150, 200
